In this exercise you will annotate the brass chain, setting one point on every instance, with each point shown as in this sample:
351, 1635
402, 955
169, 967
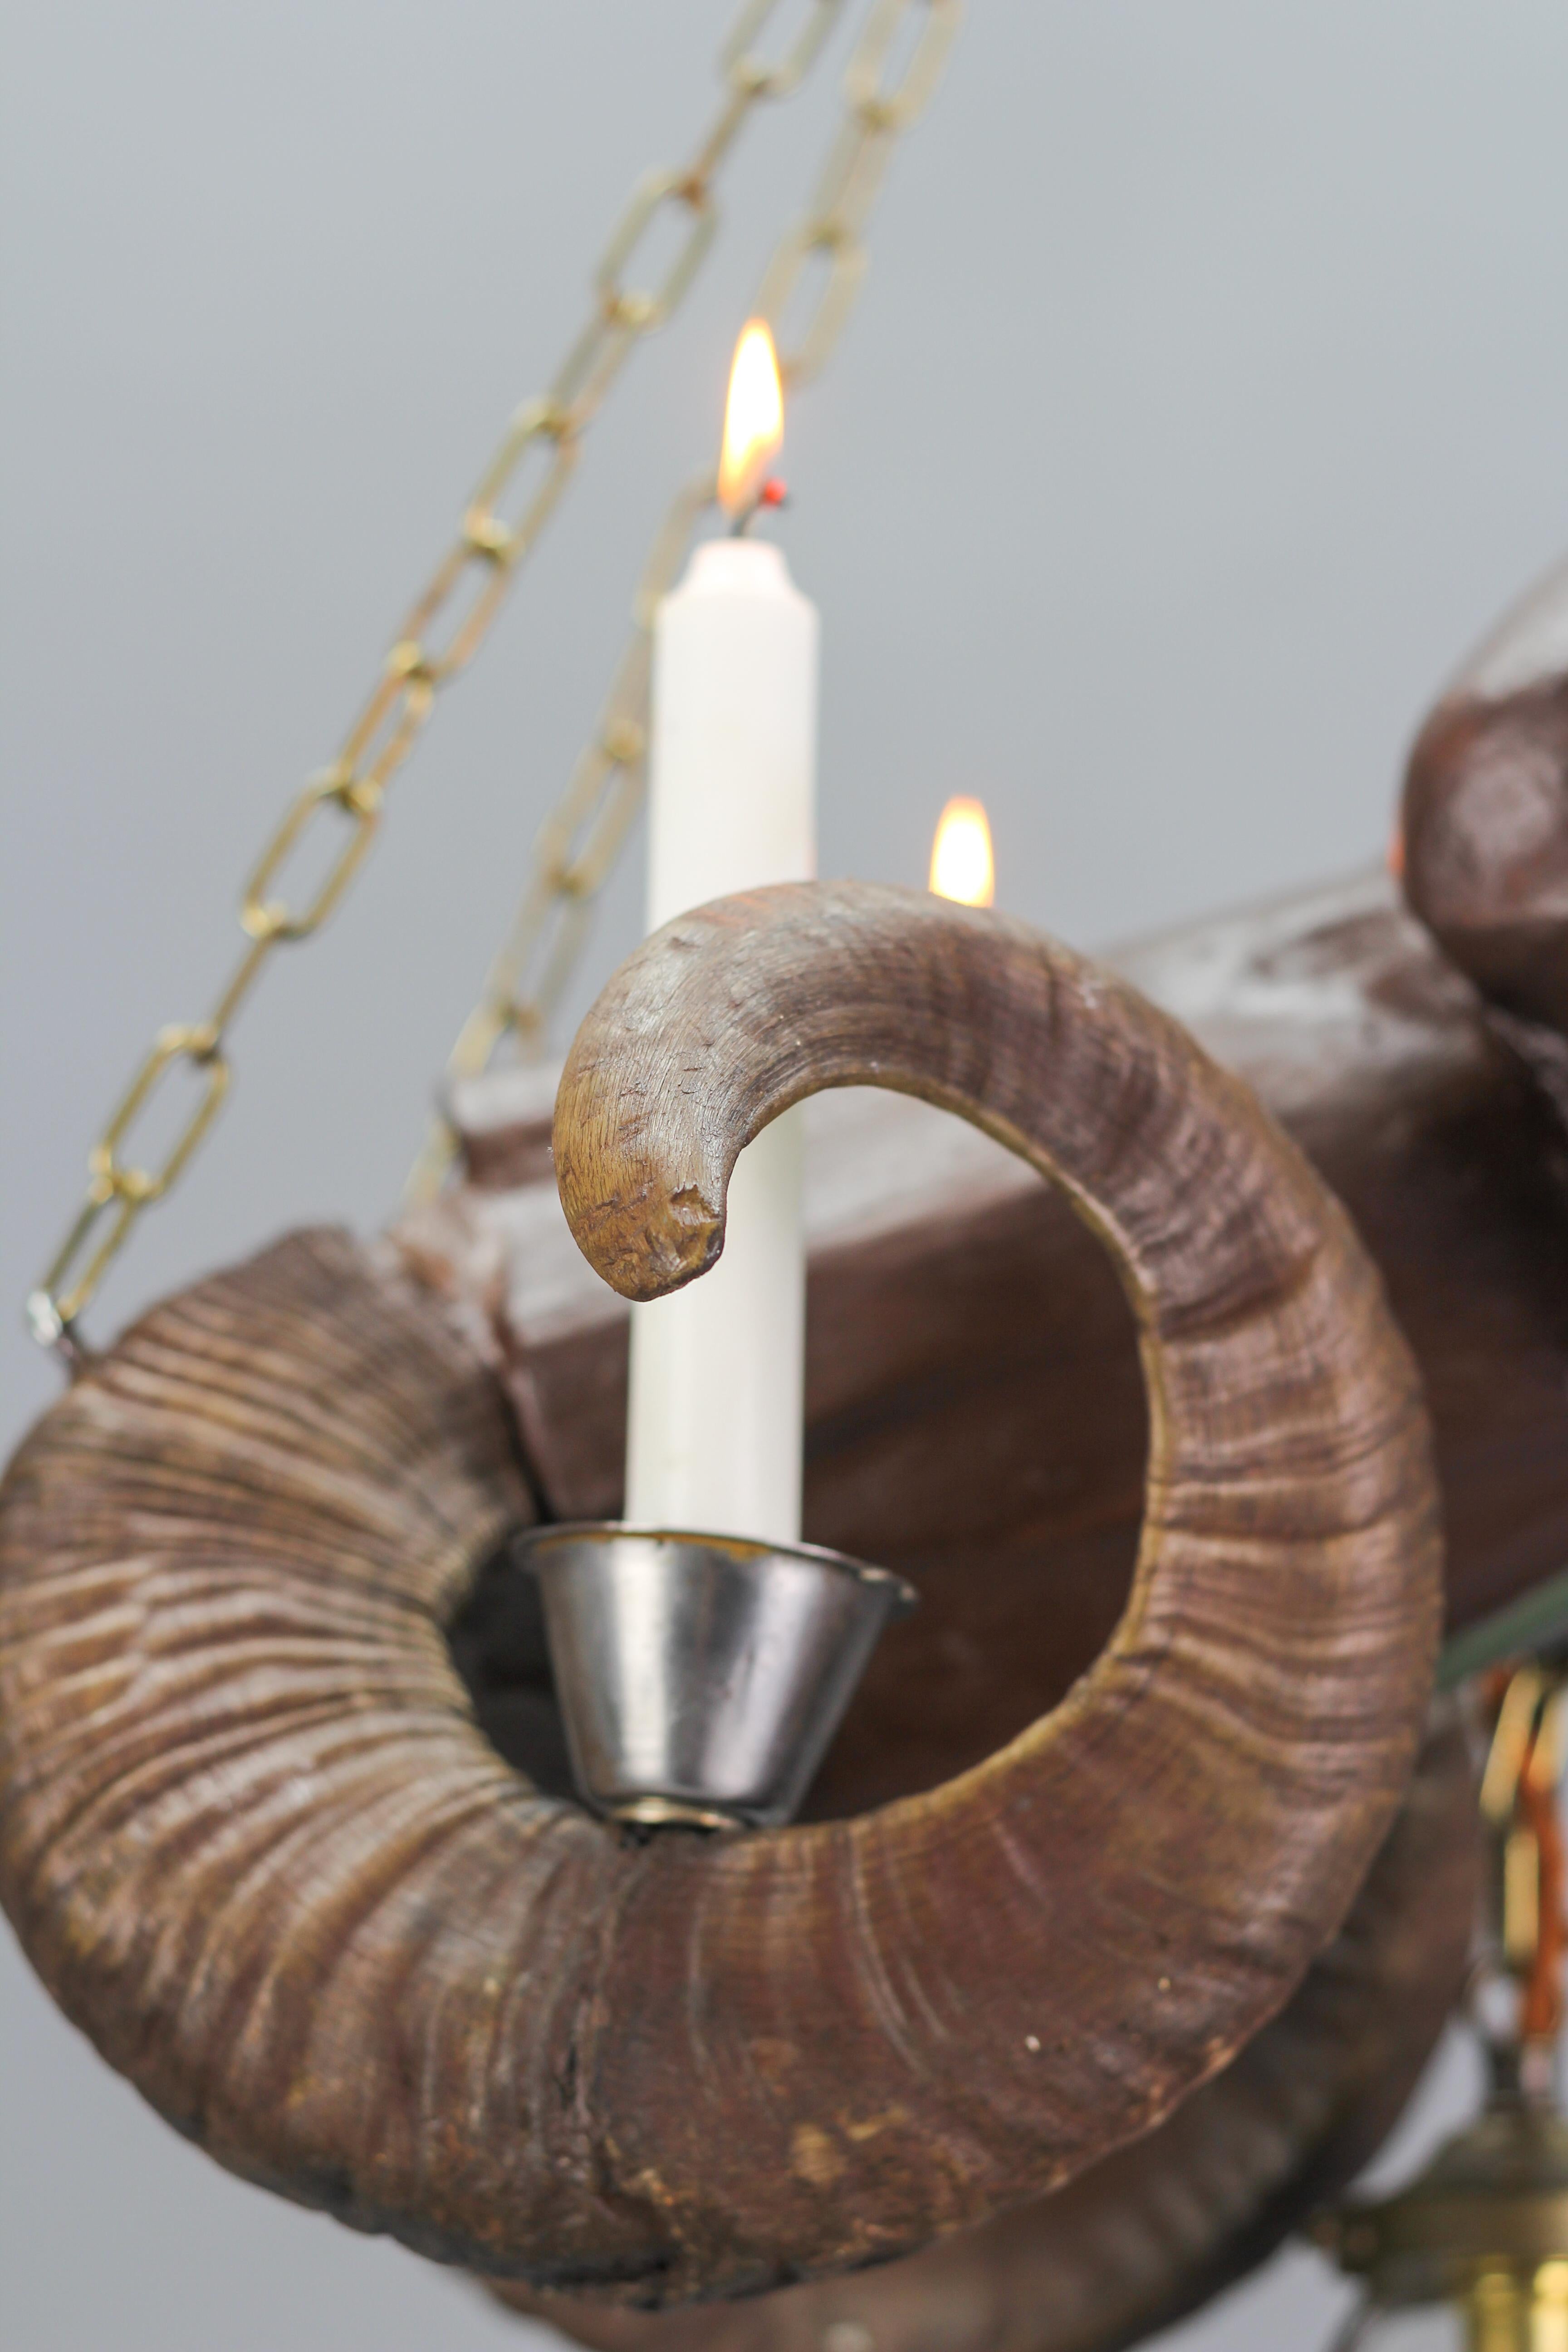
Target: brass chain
576, 849
440, 635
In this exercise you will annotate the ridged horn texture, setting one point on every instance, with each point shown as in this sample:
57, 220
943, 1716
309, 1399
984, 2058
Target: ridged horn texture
1160, 2226
254, 1841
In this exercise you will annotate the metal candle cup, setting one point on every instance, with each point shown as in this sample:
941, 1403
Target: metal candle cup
701, 1677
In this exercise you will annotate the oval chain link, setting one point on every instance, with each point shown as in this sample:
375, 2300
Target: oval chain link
575, 848
440, 635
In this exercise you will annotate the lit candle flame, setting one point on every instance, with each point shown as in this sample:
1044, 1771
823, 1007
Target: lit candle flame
754, 418
961, 863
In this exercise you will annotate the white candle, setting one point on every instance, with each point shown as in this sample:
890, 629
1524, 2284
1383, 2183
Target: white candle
714, 1439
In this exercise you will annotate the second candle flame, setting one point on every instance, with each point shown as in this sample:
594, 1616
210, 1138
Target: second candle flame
754, 418
962, 866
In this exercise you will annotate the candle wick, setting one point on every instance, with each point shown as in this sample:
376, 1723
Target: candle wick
771, 494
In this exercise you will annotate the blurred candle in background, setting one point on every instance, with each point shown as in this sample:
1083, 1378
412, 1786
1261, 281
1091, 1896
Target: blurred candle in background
961, 867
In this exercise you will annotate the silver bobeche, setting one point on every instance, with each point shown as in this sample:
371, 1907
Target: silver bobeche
701, 1677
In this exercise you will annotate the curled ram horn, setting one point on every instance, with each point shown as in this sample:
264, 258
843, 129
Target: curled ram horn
256, 1842
1156, 2227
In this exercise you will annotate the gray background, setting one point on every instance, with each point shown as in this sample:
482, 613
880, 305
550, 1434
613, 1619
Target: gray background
1209, 393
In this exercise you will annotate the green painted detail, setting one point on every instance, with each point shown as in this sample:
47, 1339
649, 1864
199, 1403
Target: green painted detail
1537, 1622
